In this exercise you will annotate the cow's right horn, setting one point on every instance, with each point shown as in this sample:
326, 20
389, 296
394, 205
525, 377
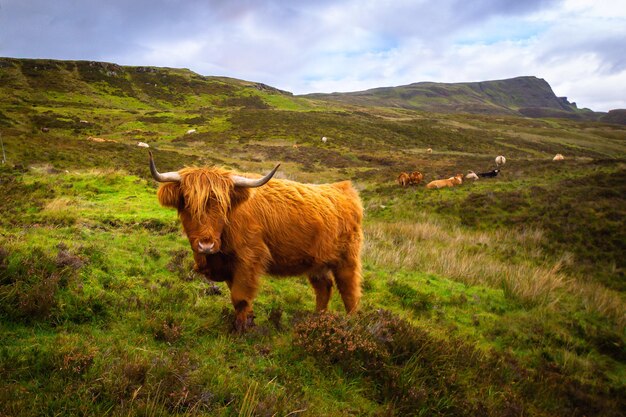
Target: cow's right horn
166, 177
251, 183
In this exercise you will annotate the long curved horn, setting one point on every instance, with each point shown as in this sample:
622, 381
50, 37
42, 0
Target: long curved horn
166, 177
251, 183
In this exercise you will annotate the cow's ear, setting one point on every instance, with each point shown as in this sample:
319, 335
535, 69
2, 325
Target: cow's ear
169, 195
239, 195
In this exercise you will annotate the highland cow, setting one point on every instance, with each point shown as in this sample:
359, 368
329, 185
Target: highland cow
450, 182
240, 228
404, 179
490, 174
415, 177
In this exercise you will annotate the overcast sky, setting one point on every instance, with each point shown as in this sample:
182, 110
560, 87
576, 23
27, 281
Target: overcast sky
306, 46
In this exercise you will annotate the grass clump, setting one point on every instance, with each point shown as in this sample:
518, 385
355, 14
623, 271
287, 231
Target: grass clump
409, 369
415, 372
30, 281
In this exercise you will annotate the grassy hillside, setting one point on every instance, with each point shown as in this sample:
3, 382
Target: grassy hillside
520, 96
503, 297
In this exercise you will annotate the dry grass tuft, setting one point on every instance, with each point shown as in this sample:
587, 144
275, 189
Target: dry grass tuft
511, 260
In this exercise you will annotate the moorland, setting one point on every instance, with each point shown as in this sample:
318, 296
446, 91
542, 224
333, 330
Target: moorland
499, 297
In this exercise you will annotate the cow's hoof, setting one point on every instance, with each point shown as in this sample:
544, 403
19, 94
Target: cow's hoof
240, 327
250, 320
243, 324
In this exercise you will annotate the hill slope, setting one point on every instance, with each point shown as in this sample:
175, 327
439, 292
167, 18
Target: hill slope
500, 297
527, 96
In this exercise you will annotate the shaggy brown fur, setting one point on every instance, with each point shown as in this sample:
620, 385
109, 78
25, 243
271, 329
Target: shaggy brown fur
415, 177
404, 179
450, 182
280, 228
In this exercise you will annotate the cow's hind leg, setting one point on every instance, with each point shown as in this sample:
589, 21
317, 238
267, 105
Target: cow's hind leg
323, 285
348, 281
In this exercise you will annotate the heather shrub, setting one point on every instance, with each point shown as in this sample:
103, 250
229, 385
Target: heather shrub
156, 384
168, 330
73, 356
29, 283
335, 340
410, 368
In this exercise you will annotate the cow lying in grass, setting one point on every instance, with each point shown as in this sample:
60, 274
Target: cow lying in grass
490, 174
240, 228
450, 182
471, 175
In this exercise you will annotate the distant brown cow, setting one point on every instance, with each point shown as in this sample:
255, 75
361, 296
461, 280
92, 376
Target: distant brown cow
240, 228
450, 182
415, 177
404, 179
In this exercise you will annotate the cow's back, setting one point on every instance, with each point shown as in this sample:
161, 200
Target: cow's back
303, 225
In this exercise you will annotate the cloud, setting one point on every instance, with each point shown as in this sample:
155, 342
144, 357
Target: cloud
324, 45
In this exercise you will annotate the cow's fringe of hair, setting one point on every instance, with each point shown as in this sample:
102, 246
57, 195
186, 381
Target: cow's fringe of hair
206, 186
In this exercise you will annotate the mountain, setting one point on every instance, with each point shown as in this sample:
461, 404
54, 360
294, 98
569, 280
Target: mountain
100, 83
520, 96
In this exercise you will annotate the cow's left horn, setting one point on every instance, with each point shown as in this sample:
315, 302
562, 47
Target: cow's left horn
251, 183
166, 177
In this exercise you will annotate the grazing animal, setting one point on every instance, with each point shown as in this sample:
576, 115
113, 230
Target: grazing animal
415, 177
558, 157
95, 139
404, 179
490, 174
471, 175
429, 150
500, 160
450, 182
190, 131
324, 139
240, 228
143, 145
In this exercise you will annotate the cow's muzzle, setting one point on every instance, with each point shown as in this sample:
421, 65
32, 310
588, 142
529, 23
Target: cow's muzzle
207, 248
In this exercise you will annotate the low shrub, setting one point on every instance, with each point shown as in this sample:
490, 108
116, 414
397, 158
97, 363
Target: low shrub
334, 340
28, 285
168, 330
418, 373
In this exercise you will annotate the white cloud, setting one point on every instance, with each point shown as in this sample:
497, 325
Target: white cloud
325, 46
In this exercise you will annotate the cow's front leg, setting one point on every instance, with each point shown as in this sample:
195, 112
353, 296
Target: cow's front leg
243, 291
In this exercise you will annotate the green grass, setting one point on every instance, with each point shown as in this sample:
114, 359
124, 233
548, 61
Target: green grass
502, 297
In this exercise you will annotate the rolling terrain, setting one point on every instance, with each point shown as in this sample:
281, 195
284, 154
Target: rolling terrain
520, 96
500, 297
